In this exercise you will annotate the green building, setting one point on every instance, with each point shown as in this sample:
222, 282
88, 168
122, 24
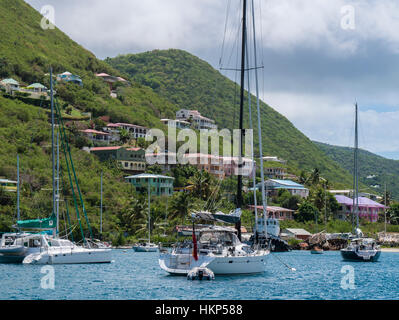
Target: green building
129, 159
158, 184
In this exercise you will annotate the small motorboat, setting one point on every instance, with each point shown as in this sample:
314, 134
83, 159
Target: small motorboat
200, 273
316, 250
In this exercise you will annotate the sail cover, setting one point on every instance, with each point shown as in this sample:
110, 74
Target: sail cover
233, 217
48, 223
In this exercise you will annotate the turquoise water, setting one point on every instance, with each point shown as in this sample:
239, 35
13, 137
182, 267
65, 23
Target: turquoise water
137, 276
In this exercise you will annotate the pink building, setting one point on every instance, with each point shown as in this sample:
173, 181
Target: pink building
368, 209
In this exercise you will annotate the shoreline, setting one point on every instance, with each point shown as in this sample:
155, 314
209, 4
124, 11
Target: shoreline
389, 249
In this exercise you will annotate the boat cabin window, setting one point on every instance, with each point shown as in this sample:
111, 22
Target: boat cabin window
34, 243
215, 237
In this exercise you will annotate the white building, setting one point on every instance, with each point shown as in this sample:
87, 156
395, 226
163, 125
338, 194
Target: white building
134, 130
178, 124
196, 119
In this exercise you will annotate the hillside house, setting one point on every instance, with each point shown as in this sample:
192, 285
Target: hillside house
178, 124
10, 85
129, 159
275, 172
196, 119
274, 185
37, 87
294, 233
230, 166
208, 162
96, 136
111, 81
69, 77
8, 185
135, 131
368, 209
159, 185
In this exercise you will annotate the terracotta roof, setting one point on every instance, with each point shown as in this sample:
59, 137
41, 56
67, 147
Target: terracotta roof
95, 132
105, 148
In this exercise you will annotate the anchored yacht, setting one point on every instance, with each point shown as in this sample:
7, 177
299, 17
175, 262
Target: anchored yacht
219, 250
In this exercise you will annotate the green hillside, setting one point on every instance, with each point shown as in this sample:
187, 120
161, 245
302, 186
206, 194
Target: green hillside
189, 82
26, 54
161, 82
374, 170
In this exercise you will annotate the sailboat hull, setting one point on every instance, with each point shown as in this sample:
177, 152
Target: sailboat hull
145, 249
361, 255
181, 264
68, 256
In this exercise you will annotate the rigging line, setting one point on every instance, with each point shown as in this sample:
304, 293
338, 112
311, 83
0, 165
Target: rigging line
66, 201
235, 42
262, 49
214, 193
241, 26
252, 147
264, 196
74, 174
64, 144
225, 31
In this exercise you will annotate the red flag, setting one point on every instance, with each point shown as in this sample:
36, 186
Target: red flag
195, 245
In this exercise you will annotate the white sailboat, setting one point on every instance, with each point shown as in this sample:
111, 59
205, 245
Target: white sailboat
219, 249
143, 246
360, 248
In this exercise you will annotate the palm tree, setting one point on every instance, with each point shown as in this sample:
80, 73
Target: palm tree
135, 210
124, 135
180, 205
202, 183
315, 176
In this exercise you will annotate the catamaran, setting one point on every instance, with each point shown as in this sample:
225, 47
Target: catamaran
360, 248
46, 247
220, 249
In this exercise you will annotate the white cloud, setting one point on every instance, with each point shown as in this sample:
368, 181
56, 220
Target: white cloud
327, 119
314, 69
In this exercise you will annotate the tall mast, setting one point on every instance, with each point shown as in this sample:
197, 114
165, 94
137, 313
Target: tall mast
52, 137
101, 205
58, 182
385, 210
149, 212
356, 186
262, 174
252, 151
241, 127
18, 190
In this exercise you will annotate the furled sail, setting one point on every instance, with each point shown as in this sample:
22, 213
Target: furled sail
219, 216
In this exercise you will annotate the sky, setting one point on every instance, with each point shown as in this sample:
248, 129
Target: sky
319, 57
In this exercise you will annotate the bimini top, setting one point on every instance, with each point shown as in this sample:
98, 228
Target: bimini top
48, 223
233, 217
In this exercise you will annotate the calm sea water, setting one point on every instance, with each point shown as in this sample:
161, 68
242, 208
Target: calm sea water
137, 276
